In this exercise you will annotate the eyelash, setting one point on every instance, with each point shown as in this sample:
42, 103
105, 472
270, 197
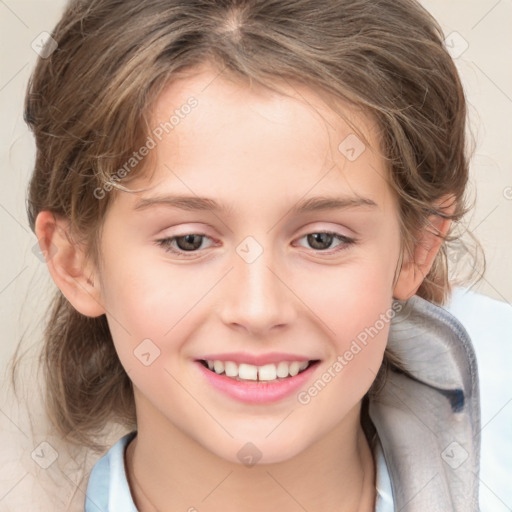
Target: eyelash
165, 243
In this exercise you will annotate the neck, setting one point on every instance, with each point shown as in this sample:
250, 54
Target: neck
169, 471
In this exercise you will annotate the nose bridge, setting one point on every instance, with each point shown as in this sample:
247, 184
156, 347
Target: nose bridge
257, 298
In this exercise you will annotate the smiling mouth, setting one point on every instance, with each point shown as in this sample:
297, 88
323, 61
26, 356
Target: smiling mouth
266, 373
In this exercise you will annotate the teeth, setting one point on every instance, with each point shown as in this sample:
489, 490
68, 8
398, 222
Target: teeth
294, 368
282, 369
248, 371
231, 369
267, 372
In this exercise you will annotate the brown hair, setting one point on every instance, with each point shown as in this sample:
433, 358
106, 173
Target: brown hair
89, 102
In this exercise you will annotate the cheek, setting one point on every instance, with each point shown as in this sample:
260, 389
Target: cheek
358, 329
354, 306
351, 296
361, 321
145, 307
148, 295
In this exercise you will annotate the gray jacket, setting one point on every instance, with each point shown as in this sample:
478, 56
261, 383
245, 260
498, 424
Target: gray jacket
429, 425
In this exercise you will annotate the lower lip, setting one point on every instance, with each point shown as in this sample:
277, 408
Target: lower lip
257, 392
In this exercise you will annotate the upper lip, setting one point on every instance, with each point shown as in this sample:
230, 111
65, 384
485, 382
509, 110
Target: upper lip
256, 359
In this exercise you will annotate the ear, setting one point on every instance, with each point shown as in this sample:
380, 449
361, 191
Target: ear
76, 278
430, 238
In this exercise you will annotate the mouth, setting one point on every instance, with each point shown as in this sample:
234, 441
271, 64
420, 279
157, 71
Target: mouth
268, 373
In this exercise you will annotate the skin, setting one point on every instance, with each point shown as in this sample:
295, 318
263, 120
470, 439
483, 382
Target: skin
260, 153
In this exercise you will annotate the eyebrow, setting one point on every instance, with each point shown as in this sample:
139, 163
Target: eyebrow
313, 204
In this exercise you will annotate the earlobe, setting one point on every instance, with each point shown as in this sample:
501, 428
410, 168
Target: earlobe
74, 276
430, 239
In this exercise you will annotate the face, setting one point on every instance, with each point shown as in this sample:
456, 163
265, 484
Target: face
257, 274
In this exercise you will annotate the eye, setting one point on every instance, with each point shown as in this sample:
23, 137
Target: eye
192, 242
188, 243
322, 240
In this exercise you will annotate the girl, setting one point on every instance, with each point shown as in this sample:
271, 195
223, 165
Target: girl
246, 206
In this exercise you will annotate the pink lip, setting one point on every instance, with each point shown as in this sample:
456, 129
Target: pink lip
257, 392
256, 360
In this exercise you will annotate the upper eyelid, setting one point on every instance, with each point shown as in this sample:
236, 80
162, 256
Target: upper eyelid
348, 239
307, 231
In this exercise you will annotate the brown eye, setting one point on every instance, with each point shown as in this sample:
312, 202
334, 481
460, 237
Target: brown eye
322, 241
189, 243
318, 240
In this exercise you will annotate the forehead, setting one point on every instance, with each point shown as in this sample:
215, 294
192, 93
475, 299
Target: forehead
228, 138
222, 99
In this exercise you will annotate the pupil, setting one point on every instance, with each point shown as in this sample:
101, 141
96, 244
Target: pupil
189, 241
319, 236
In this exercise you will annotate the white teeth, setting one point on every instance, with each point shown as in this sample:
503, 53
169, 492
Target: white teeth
294, 368
248, 371
218, 366
231, 369
266, 372
282, 369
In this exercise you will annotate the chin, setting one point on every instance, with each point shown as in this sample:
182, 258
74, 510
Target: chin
256, 453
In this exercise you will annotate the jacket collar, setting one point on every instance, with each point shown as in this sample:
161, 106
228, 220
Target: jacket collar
428, 422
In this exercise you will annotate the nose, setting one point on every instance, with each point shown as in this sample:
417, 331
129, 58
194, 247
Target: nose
256, 296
